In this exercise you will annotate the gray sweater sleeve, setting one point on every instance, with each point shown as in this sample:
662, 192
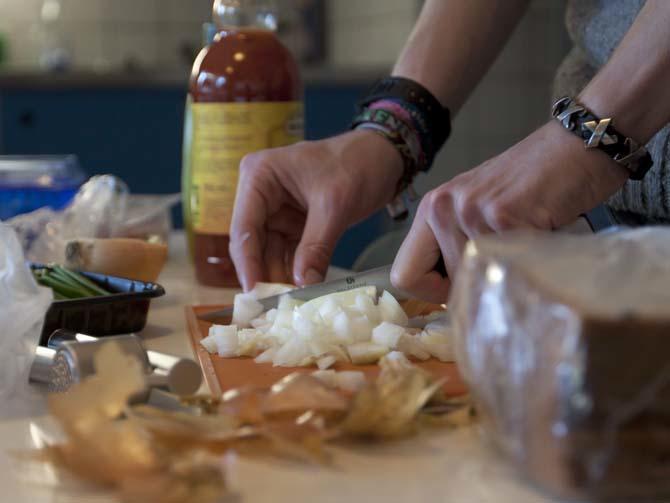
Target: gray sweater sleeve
596, 28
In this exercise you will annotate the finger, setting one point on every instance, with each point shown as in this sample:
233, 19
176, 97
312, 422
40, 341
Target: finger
290, 258
247, 234
413, 268
275, 258
312, 256
451, 241
469, 216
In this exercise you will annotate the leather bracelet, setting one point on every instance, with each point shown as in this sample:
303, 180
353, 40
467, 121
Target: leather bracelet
435, 117
600, 133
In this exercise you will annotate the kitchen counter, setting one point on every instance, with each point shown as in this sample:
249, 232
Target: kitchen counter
454, 466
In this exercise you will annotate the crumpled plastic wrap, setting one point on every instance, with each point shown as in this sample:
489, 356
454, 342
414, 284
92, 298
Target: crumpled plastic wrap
23, 305
565, 343
102, 208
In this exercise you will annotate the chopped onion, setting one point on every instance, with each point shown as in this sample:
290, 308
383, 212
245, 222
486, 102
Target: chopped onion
349, 326
325, 362
438, 345
267, 356
226, 339
411, 345
245, 309
209, 343
387, 334
366, 352
391, 311
286, 302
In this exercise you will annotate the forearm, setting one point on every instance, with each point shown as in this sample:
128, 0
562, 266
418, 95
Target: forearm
634, 86
453, 44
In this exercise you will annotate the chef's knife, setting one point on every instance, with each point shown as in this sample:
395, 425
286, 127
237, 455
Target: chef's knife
379, 277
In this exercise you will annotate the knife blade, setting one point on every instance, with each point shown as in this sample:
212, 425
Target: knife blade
379, 277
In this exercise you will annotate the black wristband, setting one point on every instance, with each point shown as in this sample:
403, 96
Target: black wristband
600, 133
436, 117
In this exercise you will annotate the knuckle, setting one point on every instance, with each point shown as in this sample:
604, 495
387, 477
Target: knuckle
500, 216
439, 203
467, 207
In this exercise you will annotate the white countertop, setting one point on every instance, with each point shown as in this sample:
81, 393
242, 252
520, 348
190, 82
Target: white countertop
447, 466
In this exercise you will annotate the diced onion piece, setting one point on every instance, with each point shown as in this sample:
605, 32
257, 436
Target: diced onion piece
209, 343
366, 352
342, 328
338, 352
343, 299
411, 345
391, 311
325, 361
387, 334
267, 356
287, 303
438, 345
395, 360
317, 347
361, 328
327, 377
260, 322
329, 309
350, 380
305, 325
226, 339
292, 353
245, 309
307, 361
271, 315
247, 342
366, 306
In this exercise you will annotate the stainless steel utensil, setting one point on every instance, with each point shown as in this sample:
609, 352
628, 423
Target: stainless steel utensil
69, 359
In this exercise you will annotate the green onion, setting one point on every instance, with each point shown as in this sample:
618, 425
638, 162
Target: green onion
67, 284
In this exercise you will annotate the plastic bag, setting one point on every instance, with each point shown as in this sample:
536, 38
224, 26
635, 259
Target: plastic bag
565, 343
23, 305
102, 208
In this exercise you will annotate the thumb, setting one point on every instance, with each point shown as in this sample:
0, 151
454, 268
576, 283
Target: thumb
312, 256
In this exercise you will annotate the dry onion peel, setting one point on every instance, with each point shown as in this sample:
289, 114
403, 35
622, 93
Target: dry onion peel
150, 454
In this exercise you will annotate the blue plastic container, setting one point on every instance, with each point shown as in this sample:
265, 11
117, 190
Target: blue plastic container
31, 182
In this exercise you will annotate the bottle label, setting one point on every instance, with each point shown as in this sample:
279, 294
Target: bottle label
223, 133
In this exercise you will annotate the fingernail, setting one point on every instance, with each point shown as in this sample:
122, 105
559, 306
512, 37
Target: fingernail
312, 276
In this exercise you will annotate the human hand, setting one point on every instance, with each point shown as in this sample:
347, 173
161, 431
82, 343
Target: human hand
543, 182
293, 203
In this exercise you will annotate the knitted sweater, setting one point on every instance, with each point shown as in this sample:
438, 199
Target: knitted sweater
596, 27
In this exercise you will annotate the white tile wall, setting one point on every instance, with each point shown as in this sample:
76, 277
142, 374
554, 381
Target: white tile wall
109, 32
368, 32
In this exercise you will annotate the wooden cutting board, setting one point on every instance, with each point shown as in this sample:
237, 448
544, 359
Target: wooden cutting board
222, 374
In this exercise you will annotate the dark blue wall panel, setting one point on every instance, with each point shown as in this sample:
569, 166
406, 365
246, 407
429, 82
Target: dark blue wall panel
137, 134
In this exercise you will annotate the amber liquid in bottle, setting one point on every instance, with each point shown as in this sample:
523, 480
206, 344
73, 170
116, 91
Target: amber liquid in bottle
241, 65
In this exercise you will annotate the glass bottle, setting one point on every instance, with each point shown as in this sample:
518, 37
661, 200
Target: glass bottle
244, 95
